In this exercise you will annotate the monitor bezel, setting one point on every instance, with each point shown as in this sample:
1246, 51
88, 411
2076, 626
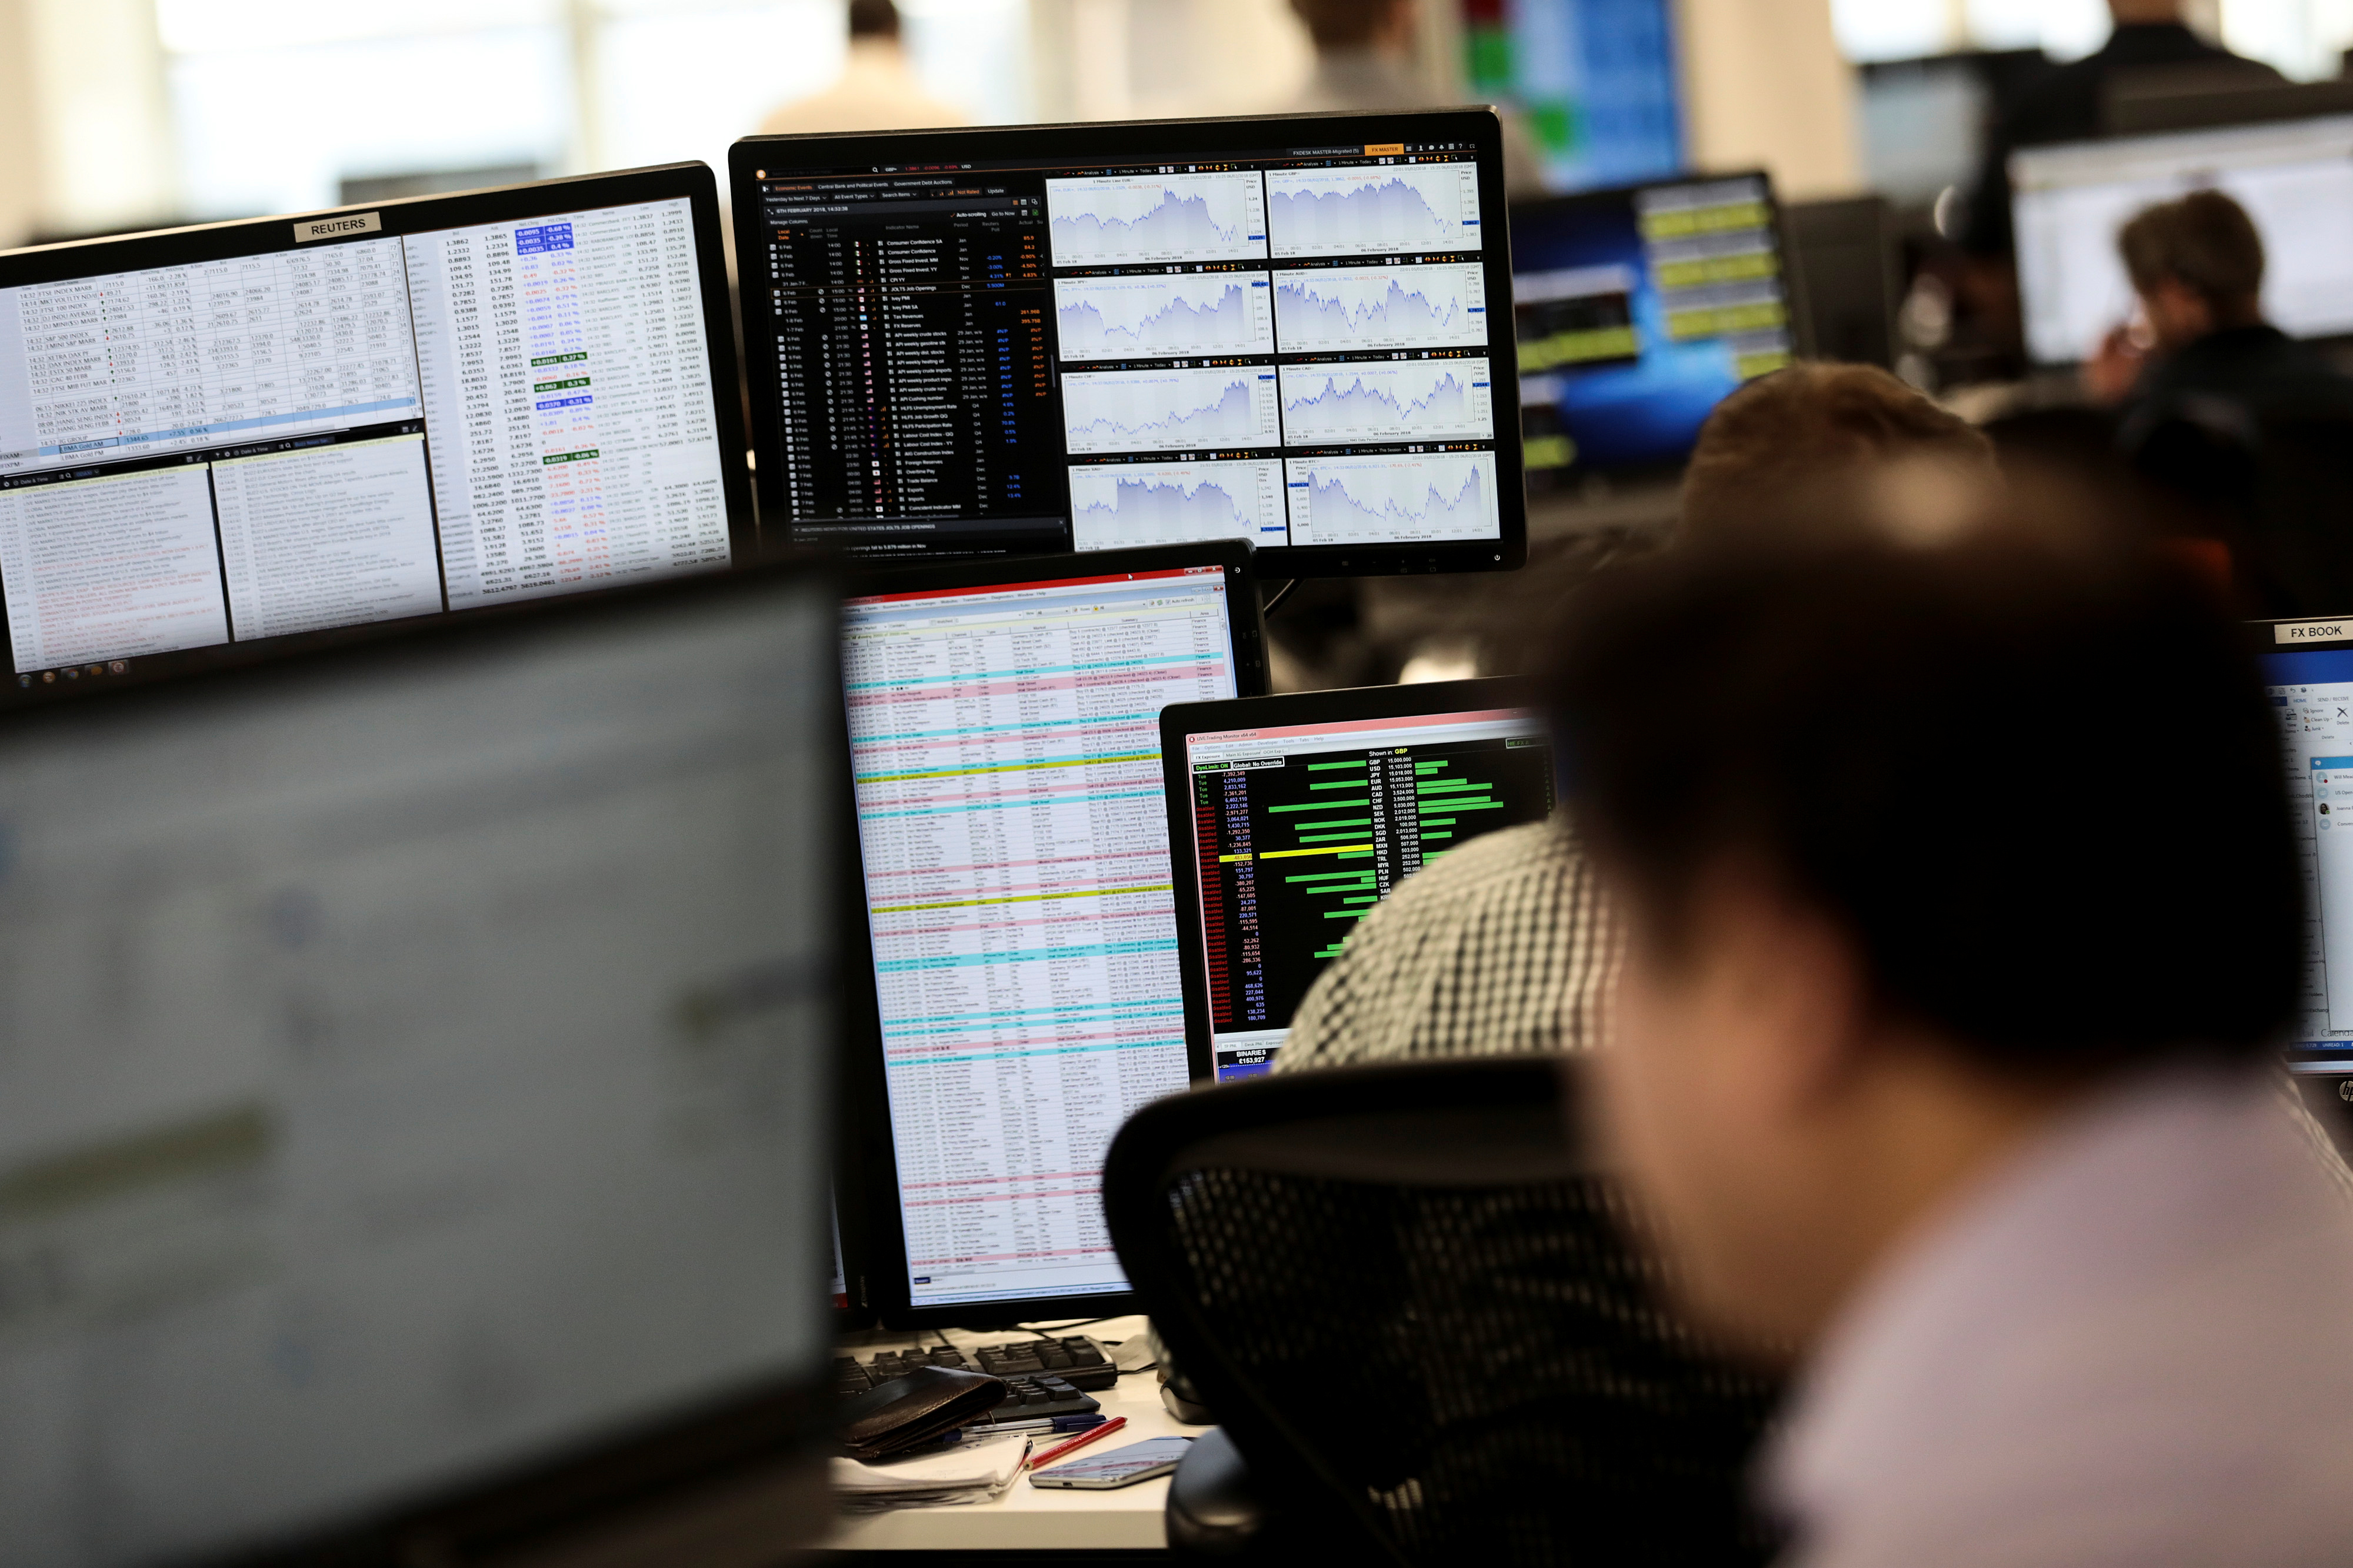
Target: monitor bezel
1147, 139
2343, 112
711, 1457
1181, 721
1668, 471
406, 215
869, 1140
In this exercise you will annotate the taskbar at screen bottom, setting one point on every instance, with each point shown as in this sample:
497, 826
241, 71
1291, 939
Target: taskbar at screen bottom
922, 1298
918, 541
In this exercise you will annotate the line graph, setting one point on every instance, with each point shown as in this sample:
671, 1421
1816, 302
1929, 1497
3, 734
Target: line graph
1138, 318
1159, 410
1103, 220
1176, 503
1393, 400
1391, 500
1356, 212
1354, 307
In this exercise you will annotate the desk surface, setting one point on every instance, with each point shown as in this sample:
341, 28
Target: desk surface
1028, 1519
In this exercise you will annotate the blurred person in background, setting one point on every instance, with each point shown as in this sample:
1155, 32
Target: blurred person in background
877, 91
1365, 61
2067, 105
1956, 1076
1505, 944
2196, 270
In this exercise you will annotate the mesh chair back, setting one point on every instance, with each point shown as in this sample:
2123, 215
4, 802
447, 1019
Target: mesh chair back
1414, 1306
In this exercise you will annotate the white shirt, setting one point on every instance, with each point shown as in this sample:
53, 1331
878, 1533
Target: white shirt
876, 91
2132, 1345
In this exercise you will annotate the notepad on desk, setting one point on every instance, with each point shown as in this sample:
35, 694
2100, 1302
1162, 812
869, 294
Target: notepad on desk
977, 1470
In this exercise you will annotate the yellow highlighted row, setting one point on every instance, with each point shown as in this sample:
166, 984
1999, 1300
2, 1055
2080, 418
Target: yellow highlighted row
1025, 898
1008, 768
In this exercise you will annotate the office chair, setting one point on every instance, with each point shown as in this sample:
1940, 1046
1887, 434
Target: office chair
1413, 1304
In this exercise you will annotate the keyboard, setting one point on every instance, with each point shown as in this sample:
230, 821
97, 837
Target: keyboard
1044, 1378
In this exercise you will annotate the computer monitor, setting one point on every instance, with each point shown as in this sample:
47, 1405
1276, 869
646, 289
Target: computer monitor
419, 1079
218, 439
1298, 814
2293, 177
1638, 310
2308, 666
1004, 725
1091, 337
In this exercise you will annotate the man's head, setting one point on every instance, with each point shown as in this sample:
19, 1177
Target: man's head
1783, 432
873, 19
1350, 25
2198, 265
1923, 830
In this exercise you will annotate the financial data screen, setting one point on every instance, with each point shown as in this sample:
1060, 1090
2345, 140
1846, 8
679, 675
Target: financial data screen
363, 430
2312, 692
415, 1069
1299, 830
1638, 310
1290, 349
2294, 179
1006, 747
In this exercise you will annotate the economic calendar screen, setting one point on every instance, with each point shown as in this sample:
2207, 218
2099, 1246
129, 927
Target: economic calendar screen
1292, 345
371, 427
1005, 745
1300, 830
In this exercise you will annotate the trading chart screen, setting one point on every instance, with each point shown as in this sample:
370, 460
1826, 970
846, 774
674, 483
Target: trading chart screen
1005, 748
433, 409
1300, 830
1291, 345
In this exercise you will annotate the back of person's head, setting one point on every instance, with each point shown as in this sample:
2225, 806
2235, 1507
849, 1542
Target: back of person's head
2206, 243
1346, 24
873, 19
2017, 756
1783, 432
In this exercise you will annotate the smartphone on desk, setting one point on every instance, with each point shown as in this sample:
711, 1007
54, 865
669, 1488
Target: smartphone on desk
1120, 1467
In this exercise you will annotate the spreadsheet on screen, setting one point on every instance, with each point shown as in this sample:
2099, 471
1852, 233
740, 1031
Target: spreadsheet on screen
1005, 748
366, 430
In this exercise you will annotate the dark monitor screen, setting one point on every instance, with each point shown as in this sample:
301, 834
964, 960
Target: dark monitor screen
1108, 336
1004, 724
1297, 815
418, 1073
218, 439
1638, 310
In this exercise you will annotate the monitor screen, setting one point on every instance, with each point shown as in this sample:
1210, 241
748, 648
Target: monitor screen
1098, 337
2294, 178
1004, 743
1637, 310
1299, 827
2312, 691
213, 437
398, 1096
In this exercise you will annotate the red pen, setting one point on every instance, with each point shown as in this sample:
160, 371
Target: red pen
1080, 1441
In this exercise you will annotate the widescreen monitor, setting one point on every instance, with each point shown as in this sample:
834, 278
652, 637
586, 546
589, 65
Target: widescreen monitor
1004, 731
1637, 310
418, 1082
221, 438
1097, 337
1296, 816
2293, 177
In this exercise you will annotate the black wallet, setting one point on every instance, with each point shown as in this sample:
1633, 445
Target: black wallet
894, 1416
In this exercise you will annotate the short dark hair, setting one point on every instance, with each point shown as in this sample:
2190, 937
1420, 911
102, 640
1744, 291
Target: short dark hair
2023, 761
873, 19
1786, 430
2205, 242
1344, 24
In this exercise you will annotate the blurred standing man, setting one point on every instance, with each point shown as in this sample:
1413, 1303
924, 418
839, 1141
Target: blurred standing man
1363, 63
2196, 265
1951, 1077
877, 89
